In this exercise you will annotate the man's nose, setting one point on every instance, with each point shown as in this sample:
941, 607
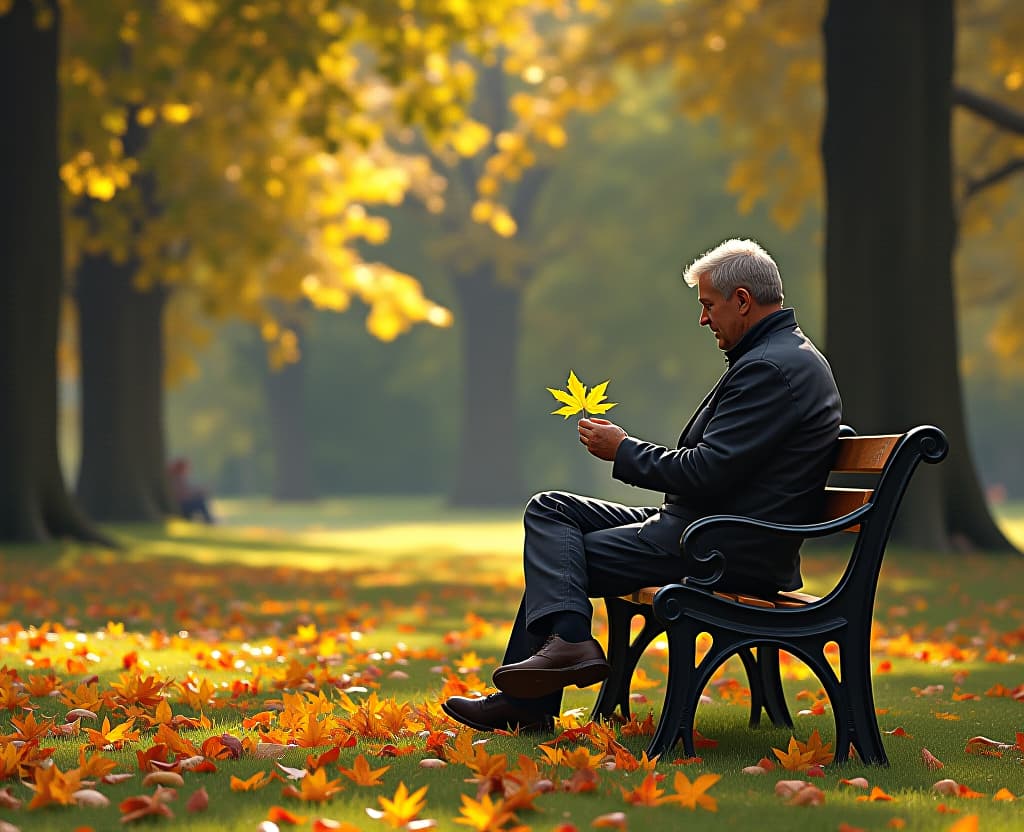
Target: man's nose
704, 319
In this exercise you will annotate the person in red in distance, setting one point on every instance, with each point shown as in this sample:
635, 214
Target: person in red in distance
189, 499
760, 445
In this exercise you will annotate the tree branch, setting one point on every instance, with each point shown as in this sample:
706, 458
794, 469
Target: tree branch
973, 186
988, 108
526, 194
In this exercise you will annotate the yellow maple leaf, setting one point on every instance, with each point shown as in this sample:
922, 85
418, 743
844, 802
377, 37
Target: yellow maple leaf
116, 736
250, 784
95, 765
51, 785
484, 815
315, 787
361, 774
578, 399
580, 758
691, 795
800, 756
402, 808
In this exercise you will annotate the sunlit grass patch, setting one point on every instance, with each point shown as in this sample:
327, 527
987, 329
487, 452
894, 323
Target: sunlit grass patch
342, 627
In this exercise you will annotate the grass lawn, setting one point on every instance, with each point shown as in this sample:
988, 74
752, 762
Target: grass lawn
265, 645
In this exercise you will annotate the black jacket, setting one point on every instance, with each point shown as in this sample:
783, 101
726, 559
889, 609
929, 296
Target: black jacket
759, 445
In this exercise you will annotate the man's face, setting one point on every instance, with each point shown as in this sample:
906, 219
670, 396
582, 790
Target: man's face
721, 314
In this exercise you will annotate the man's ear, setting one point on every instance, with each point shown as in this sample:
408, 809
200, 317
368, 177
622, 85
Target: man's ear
744, 298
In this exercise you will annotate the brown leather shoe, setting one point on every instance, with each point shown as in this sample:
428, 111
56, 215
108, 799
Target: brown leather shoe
556, 665
494, 712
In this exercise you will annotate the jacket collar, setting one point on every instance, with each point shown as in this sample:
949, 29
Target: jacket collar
783, 319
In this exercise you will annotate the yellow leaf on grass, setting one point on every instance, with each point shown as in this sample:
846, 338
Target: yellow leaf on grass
691, 795
361, 774
484, 815
402, 808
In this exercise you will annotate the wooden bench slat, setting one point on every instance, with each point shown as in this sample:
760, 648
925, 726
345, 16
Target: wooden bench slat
864, 454
783, 599
841, 501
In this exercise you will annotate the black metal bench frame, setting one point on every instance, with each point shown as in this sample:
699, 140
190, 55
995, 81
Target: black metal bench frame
800, 624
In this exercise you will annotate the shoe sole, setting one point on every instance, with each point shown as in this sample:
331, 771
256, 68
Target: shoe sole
532, 683
479, 726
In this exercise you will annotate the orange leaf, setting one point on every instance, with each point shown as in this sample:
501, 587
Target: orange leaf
876, 794
930, 760
1004, 794
324, 759
968, 823
329, 825
691, 795
281, 815
646, 794
250, 784
616, 820
361, 774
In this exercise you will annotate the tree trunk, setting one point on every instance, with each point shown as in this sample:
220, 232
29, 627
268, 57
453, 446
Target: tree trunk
286, 397
890, 314
34, 503
488, 470
122, 477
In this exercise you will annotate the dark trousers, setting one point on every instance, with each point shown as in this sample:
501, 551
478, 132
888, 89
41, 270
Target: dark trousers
577, 548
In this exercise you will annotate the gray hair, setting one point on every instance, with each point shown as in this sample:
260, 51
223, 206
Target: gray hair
736, 263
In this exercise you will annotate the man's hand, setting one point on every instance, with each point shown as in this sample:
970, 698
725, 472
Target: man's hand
601, 437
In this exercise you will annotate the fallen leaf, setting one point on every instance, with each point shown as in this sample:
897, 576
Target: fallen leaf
808, 796
788, 788
691, 795
930, 760
402, 808
615, 820
163, 778
136, 808
968, 823
278, 814
91, 798
199, 801
875, 795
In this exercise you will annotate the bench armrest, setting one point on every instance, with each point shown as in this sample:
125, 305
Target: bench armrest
688, 543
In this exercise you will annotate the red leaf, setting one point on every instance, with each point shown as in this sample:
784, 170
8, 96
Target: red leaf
199, 801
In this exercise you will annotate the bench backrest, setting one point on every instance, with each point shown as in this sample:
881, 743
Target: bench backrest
893, 459
856, 455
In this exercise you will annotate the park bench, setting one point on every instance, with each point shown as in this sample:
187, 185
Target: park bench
756, 628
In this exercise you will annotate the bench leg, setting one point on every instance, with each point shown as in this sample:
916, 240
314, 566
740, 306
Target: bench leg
676, 720
771, 686
862, 721
765, 686
624, 656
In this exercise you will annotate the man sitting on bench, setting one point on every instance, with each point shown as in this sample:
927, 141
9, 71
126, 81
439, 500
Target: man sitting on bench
760, 445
